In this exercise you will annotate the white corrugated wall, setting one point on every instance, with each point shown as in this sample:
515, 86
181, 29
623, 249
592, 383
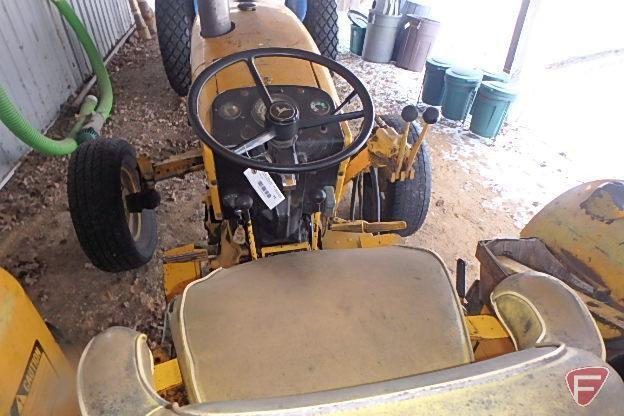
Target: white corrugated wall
41, 62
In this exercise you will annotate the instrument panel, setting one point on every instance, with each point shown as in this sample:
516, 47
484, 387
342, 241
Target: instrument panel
239, 115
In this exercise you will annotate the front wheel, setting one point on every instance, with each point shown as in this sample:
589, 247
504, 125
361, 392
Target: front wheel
101, 174
403, 200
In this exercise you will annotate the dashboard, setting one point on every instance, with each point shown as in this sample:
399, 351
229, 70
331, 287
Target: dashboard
239, 115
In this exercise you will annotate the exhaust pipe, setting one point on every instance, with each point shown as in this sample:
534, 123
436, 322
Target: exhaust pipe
214, 16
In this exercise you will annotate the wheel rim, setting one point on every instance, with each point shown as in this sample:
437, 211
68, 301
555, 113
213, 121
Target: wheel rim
130, 186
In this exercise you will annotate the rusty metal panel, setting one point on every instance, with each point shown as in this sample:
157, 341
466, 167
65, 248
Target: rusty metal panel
42, 63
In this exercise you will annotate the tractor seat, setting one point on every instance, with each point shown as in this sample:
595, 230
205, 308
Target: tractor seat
326, 319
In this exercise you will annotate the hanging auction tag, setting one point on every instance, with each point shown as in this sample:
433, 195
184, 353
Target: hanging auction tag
264, 186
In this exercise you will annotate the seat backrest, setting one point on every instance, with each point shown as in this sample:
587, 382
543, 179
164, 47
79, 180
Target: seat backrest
114, 379
528, 382
538, 309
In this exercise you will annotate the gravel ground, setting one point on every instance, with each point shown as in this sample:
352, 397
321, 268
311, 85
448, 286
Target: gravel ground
39, 246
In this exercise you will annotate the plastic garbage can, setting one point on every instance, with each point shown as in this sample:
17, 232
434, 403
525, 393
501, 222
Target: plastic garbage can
381, 33
408, 8
490, 107
417, 9
495, 76
358, 31
433, 81
298, 7
460, 88
388, 7
417, 43
492, 76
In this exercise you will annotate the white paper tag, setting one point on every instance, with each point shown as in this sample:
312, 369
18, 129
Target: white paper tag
264, 186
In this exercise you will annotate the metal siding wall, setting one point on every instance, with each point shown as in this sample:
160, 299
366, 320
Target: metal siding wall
42, 63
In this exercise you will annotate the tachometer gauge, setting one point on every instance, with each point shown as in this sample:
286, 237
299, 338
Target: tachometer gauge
258, 112
229, 111
320, 107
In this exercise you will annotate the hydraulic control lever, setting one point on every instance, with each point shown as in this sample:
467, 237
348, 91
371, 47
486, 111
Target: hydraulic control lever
242, 206
318, 197
430, 117
409, 114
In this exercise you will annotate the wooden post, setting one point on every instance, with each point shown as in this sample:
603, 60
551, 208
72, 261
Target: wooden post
138, 20
517, 46
148, 16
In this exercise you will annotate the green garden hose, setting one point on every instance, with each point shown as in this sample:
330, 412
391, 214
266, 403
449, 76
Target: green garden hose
91, 118
97, 63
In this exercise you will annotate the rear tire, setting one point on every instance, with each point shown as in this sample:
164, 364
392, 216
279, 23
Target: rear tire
101, 172
405, 200
174, 21
322, 22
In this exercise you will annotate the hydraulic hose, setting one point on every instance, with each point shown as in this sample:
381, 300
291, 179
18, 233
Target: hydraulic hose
91, 118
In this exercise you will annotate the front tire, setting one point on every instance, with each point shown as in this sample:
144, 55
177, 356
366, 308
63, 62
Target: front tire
101, 174
403, 200
322, 22
174, 22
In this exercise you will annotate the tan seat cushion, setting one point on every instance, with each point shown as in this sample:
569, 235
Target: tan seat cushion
539, 309
312, 321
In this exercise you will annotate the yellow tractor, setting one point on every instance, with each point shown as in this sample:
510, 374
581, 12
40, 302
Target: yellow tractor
303, 312
279, 150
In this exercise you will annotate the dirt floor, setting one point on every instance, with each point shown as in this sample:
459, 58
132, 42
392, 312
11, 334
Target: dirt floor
39, 246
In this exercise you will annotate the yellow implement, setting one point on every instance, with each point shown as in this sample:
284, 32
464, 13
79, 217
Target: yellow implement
36, 377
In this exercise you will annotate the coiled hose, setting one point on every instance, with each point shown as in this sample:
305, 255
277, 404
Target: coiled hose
92, 114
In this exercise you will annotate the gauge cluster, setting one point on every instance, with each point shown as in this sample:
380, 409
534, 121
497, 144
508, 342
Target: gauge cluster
239, 115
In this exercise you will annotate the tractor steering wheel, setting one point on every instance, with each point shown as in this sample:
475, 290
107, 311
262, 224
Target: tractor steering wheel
282, 123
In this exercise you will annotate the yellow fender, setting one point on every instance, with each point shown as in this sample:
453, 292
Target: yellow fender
584, 228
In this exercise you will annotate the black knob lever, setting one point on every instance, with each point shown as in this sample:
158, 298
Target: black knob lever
243, 202
431, 115
409, 113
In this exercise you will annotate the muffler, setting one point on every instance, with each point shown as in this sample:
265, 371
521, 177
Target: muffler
214, 16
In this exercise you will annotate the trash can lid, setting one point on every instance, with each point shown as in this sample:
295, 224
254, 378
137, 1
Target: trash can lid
464, 74
440, 63
499, 89
495, 75
414, 17
357, 18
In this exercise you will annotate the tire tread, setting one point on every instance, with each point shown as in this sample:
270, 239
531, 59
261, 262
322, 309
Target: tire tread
174, 21
405, 200
322, 22
96, 207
